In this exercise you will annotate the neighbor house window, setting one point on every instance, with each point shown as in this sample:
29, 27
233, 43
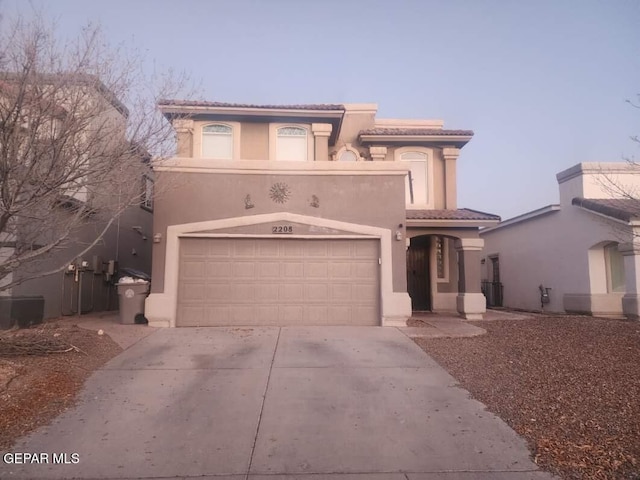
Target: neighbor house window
416, 184
291, 144
615, 268
147, 193
217, 141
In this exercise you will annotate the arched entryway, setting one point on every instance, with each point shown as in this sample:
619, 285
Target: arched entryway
432, 272
418, 273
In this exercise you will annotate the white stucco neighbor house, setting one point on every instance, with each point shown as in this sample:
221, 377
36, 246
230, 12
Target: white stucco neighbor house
579, 256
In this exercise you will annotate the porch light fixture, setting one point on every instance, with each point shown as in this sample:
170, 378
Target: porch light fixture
398, 235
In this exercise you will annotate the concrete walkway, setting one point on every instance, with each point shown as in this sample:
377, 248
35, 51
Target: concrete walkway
277, 403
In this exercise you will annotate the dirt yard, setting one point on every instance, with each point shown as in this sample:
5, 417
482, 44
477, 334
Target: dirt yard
570, 385
35, 388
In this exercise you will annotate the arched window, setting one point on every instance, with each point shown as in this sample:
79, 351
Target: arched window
347, 154
416, 186
217, 141
292, 144
614, 262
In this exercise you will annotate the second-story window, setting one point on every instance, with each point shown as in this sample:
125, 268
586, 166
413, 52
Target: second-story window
217, 141
416, 191
292, 144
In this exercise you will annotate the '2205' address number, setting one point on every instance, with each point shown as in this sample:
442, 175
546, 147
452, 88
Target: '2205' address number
282, 229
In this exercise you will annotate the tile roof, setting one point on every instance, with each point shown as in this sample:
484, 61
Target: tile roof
197, 103
625, 209
459, 214
414, 131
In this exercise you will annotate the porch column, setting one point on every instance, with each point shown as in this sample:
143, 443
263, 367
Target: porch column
631, 298
184, 140
450, 156
321, 132
470, 301
378, 154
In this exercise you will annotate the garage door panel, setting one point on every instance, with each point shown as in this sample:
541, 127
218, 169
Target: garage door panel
266, 293
193, 315
340, 292
365, 249
220, 248
194, 269
268, 249
291, 314
215, 269
244, 269
339, 314
269, 269
340, 249
267, 314
316, 249
316, 270
218, 292
193, 292
291, 269
291, 292
363, 294
316, 315
364, 270
293, 248
278, 281
340, 270
246, 249
316, 292
242, 293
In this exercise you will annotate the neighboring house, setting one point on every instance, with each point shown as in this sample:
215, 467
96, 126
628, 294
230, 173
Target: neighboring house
581, 256
310, 215
89, 280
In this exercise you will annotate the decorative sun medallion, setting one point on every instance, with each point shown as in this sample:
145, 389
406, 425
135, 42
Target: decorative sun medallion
279, 192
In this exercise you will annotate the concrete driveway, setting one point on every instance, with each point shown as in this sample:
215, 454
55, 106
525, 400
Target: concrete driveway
269, 403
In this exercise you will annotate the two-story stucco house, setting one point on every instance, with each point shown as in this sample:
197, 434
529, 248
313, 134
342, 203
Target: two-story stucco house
579, 256
310, 215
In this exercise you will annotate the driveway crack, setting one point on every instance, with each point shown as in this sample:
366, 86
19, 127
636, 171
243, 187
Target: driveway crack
264, 396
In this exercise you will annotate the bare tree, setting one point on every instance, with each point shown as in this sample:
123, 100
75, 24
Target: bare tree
79, 128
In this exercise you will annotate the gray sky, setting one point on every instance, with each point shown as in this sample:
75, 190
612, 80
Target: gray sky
542, 83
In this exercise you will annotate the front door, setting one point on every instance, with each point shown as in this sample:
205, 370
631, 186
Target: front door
418, 279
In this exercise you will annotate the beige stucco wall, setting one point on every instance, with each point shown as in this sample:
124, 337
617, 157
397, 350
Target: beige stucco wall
372, 200
254, 138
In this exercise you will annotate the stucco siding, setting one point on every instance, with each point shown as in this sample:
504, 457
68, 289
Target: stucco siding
550, 250
359, 199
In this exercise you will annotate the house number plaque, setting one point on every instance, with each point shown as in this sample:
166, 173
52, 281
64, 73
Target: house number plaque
282, 229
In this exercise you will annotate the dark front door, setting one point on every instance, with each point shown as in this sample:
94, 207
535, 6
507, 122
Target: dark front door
418, 280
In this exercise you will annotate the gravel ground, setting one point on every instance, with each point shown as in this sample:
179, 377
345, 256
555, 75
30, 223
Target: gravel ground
34, 389
570, 385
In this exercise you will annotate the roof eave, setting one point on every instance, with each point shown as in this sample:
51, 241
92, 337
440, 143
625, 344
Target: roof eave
450, 223
459, 140
172, 110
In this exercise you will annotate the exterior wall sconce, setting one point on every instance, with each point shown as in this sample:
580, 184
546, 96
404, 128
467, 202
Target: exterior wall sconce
398, 235
157, 237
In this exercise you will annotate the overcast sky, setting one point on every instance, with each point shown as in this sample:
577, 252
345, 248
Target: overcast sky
543, 84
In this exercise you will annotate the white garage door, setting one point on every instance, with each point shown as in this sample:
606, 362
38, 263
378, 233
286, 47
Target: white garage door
278, 282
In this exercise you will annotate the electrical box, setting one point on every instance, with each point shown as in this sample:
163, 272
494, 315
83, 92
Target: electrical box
96, 264
112, 267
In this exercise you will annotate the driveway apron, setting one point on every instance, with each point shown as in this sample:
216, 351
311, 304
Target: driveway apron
268, 403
